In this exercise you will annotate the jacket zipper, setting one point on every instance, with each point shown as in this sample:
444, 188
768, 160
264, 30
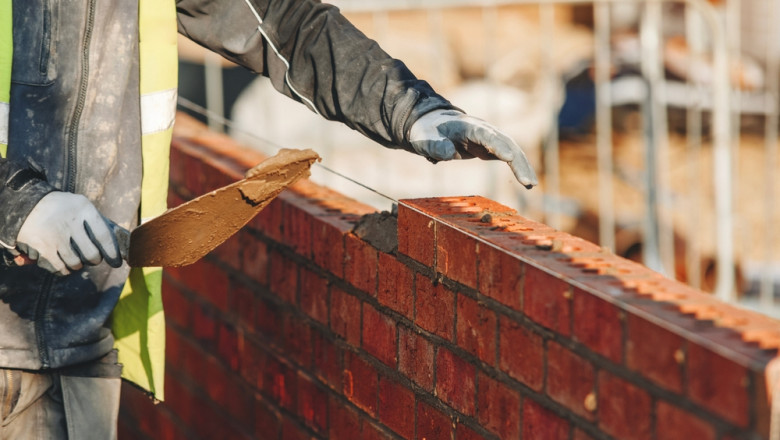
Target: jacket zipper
40, 316
82, 97
70, 183
8, 393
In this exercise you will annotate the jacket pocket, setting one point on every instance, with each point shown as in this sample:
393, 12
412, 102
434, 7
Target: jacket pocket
33, 25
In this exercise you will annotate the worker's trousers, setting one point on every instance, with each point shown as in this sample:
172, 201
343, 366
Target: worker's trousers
78, 403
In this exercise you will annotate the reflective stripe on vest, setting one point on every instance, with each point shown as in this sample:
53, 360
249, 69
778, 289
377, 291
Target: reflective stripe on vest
6, 53
138, 322
158, 111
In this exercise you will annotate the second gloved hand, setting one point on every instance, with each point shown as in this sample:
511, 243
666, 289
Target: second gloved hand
450, 134
64, 231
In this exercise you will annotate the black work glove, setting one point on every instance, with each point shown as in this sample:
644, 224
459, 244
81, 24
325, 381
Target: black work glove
450, 134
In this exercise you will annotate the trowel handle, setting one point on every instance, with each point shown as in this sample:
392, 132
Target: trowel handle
122, 238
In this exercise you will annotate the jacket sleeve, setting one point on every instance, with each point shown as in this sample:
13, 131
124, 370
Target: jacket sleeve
313, 54
21, 188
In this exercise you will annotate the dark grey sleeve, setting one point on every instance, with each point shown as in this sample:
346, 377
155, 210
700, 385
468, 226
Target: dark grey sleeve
21, 188
313, 54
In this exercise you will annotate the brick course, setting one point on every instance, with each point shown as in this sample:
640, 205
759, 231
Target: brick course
483, 325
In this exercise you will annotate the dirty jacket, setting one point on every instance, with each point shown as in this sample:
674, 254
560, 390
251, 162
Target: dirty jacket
75, 126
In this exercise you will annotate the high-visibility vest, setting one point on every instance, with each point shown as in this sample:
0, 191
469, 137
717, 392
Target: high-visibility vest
6, 54
138, 322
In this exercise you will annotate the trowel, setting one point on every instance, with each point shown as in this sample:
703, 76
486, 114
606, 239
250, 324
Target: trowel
184, 234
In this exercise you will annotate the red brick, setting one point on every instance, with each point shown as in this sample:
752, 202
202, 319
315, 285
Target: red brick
140, 416
177, 171
672, 423
188, 358
195, 176
280, 384
327, 360
224, 390
227, 345
204, 324
328, 243
314, 295
345, 315
454, 207
344, 421
476, 329
655, 352
268, 320
270, 220
256, 261
541, 423
291, 430
360, 383
252, 362
360, 264
415, 358
230, 250
179, 399
297, 340
456, 255
213, 175
268, 421
463, 432
718, 384
435, 308
370, 431
582, 435
177, 306
624, 409
546, 300
499, 408
297, 226
455, 381
500, 276
209, 281
570, 379
284, 278
312, 404
379, 335
521, 353
432, 424
598, 325
175, 199
242, 303
396, 407
395, 288
415, 235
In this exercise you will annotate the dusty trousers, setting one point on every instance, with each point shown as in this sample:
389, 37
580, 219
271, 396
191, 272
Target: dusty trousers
76, 403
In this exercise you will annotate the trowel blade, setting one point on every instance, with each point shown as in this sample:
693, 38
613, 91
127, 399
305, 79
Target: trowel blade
186, 233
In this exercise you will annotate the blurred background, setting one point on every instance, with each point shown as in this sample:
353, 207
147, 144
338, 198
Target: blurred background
653, 125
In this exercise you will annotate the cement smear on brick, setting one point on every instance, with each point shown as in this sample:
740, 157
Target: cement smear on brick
379, 230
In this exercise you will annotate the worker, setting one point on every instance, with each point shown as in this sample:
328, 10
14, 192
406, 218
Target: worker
87, 102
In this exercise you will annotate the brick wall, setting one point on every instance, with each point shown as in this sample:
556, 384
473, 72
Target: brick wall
457, 319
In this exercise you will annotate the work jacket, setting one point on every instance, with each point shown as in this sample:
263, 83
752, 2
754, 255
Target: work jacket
75, 125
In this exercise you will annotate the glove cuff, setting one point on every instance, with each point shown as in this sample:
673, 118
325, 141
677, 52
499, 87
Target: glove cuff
425, 103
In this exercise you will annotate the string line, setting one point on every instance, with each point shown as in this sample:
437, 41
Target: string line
266, 144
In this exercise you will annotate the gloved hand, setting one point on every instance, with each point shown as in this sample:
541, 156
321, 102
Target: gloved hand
450, 134
64, 231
